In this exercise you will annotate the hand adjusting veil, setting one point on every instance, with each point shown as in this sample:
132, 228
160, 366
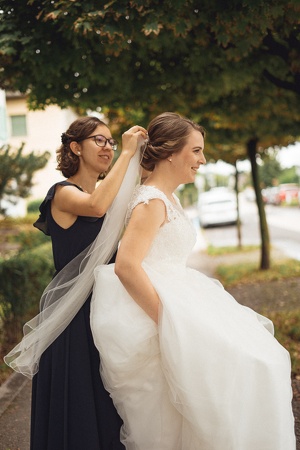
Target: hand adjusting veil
69, 289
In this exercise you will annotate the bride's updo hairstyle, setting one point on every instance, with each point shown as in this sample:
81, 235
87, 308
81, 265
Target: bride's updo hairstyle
68, 162
167, 134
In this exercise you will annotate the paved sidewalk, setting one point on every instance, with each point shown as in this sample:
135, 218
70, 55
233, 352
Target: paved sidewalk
15, 400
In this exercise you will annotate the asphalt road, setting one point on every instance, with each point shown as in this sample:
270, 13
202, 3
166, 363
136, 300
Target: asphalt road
283, 223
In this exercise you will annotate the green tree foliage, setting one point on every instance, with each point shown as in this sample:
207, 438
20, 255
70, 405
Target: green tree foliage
289, 175
231, 65
80, 53
270, 171
17, 170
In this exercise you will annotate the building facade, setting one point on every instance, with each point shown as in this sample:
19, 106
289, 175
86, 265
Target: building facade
40, 130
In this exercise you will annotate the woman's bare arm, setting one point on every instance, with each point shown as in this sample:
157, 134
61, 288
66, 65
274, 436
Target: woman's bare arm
69, 202
144, 223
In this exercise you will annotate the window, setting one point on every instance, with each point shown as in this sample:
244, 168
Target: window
18, 126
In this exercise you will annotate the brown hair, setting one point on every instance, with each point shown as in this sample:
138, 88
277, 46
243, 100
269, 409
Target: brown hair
68, 162
168, 134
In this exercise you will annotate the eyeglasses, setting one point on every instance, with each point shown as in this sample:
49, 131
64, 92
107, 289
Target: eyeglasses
101, 141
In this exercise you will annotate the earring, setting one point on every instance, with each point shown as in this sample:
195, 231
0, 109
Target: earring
78, 153
101, 176
170, 159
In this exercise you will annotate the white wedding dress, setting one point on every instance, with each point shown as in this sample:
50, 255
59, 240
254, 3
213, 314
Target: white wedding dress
210, 376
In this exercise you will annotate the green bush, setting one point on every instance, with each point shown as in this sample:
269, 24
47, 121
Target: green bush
30, 239
23, 278
33, 206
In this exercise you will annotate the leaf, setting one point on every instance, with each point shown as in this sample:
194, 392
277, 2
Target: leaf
153, 27
180, 28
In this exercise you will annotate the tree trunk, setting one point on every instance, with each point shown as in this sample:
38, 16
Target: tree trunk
238, 225
264, 231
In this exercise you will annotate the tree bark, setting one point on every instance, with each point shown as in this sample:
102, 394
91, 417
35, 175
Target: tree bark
264, 231
238, 225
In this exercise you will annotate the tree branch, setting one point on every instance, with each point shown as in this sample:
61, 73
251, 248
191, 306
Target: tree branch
294, 41
275, 47
294, 87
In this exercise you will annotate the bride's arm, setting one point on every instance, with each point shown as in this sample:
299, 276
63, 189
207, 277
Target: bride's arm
144, 223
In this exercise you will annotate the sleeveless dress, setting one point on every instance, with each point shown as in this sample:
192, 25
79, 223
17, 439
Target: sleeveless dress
210, 376
71, 410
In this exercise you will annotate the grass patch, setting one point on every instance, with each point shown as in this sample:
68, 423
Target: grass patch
220, 251
287, 332
9, 222
248, 272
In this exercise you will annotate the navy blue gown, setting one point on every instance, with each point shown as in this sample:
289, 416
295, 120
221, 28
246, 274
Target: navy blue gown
71, 410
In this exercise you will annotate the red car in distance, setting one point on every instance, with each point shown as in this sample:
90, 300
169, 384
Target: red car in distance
287, 193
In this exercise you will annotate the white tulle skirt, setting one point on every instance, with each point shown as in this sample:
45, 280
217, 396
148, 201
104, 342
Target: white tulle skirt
210, 376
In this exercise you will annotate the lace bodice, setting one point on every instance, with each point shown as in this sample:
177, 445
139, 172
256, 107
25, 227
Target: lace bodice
176, 238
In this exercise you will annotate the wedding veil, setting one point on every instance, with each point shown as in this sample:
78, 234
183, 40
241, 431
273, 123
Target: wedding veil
69, 289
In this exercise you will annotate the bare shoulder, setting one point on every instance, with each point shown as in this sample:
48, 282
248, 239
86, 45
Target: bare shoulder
67, 195
65, 191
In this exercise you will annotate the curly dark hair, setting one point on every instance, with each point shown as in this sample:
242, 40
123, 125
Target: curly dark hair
168, 134
68, 162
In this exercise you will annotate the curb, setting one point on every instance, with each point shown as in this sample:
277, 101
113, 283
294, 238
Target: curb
10, 389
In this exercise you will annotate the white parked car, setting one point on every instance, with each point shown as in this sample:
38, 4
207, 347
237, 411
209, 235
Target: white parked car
217, 207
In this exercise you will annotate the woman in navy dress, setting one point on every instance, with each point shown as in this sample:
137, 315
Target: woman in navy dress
71, 410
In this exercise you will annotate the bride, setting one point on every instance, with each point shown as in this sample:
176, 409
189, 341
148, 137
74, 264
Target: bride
187, 367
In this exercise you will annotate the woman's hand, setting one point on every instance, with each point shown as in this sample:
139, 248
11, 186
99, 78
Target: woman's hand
133, 138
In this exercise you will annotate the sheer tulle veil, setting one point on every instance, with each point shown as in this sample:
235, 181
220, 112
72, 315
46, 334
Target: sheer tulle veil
69, 289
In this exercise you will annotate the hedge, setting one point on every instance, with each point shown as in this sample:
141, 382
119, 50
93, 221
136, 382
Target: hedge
23, 279
33, 206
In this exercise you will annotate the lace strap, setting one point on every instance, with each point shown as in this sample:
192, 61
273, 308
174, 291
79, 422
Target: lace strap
143, 194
